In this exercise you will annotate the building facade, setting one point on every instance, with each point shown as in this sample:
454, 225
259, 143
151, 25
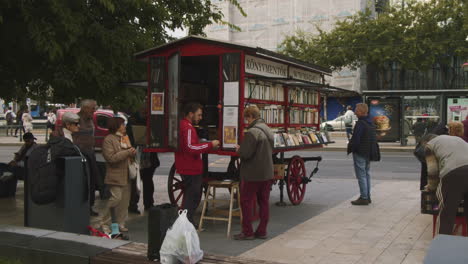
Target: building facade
268, 22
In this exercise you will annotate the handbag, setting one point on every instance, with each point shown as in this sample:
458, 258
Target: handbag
133, 170
374, 152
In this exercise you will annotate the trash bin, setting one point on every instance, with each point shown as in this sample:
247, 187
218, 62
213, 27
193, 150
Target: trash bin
70, 211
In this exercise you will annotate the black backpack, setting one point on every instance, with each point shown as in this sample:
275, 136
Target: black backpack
44, 174
9, 117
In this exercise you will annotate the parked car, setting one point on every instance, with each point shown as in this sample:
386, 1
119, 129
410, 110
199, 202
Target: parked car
100, 118
336, 124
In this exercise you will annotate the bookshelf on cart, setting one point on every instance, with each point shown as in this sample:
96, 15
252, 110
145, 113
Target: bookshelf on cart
292, 113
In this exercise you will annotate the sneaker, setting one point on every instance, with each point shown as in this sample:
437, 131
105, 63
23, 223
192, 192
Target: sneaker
370, 201
241, 236
360, 201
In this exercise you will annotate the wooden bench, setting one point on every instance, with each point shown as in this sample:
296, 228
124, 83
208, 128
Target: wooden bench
135, 253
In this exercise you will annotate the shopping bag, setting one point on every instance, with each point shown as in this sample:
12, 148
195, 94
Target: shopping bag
181, 242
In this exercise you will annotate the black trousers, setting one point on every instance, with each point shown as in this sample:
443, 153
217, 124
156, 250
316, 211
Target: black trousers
451, 190
148, 190
96, 181
192, 194
423, 177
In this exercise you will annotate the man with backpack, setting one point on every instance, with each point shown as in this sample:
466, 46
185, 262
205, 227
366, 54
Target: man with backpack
10, 117
365, 149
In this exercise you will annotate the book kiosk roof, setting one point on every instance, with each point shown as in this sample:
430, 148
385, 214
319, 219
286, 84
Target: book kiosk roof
200, 46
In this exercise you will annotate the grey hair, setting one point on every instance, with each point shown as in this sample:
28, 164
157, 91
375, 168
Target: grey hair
87, 102
69, 118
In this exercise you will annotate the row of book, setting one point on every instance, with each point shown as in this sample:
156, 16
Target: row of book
264, 91
303, 96
300, 139
272, 114
303, 116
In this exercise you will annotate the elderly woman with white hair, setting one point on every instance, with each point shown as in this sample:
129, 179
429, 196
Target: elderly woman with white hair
71, 124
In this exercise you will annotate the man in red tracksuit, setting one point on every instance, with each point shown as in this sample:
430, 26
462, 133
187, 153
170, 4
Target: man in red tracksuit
188, 160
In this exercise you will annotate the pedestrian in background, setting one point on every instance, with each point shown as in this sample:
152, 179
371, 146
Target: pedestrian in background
256, 171
27, 121
447, 159
364, 137
10, 117
19, 122
149, 162
348, 121
188, 161
84, 139
117, 155
51, 119
419, 129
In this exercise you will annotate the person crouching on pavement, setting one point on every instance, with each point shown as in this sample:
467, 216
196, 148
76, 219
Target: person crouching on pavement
256, 171
447, 160
188, 161
360, 145
117, 157
18, 163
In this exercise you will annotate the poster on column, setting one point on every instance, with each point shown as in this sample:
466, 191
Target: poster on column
457, 109
385, 114
157, 103
231, 93
230, 122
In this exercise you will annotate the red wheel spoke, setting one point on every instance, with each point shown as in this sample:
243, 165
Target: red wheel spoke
179, 196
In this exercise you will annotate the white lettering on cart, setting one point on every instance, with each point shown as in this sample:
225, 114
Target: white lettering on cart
264, 67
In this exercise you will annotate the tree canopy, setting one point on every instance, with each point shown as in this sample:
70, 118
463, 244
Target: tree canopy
67, 49
416, 36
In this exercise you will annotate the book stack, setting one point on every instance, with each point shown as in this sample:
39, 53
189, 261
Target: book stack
303, 116
264, 91
297, 138
272, 114
303, 96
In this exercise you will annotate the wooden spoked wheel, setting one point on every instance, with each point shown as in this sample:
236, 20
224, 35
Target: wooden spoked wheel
295, 184
175, 187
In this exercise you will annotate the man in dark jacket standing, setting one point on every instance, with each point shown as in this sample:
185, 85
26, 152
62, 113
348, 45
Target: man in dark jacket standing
256, 171
188, 161
363, 138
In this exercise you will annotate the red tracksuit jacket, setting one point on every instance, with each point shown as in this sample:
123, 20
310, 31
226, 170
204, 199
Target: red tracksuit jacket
188, 160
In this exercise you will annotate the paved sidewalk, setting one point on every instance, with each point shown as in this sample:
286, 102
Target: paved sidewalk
390, 230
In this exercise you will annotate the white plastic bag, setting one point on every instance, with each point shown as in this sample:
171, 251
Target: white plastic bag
139, 184
181, 242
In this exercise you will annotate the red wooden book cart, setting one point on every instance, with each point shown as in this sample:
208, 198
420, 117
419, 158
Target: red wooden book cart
224, 78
